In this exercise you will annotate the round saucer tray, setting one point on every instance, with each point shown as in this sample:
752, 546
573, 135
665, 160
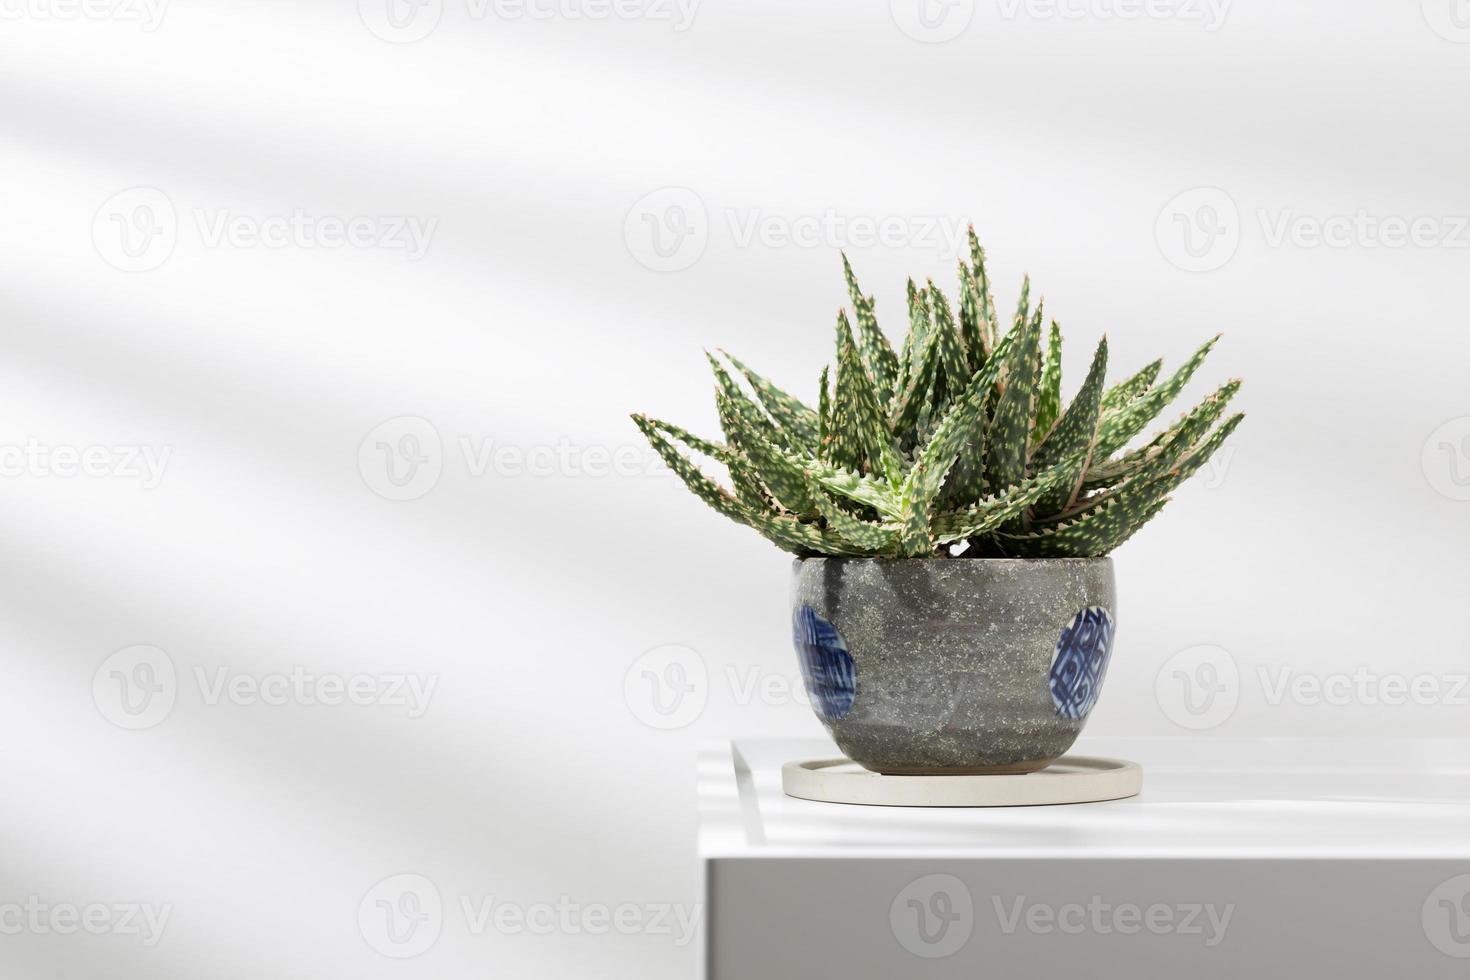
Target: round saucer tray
1071, 779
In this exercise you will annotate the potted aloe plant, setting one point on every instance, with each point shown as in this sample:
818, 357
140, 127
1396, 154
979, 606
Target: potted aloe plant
953, 605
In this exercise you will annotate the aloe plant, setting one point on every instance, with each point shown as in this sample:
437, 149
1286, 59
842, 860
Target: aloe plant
955, 444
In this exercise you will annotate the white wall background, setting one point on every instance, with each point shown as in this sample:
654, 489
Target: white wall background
1331, 544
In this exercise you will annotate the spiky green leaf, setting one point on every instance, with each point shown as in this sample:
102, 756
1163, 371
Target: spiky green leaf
922, 380
877, 353
860, 489
1125, 391
728, 387
861, 439
1049, 394
916, 538
1005, 451
967, 477
743, 476
985, 517
824, 413
793, 417
871, 538
950, 345
989, 324
1122, 424
1074, 435
1104, 528
785, 532
776, 470
1167, 446
975, 332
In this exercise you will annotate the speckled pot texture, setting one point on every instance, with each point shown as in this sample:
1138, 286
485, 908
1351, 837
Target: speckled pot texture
953, 666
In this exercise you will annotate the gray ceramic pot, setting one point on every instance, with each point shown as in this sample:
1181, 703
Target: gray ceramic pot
953, 666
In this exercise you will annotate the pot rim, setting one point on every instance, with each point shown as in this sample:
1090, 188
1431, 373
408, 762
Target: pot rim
957, 561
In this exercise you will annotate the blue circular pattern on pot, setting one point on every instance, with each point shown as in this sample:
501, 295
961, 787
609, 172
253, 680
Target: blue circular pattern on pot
826, 666
1080, 662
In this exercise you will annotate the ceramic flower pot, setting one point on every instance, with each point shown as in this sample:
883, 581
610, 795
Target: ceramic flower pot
953, 666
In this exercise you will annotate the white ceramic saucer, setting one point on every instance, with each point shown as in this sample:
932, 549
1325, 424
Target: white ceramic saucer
1071, 779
